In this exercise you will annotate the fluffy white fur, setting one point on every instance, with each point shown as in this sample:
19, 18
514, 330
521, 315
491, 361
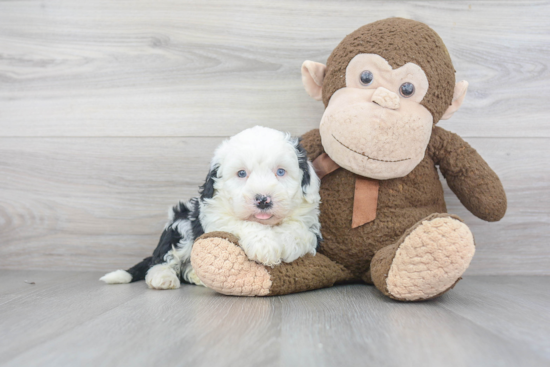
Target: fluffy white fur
117, 277
293, 229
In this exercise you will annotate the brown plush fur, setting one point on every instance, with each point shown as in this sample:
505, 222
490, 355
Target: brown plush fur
306, 273
472, 180
402, 202
399, 41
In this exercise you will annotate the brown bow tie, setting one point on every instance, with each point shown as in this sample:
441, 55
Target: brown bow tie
365, 199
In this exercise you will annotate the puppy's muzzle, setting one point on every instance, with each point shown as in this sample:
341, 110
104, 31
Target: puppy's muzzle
263, 201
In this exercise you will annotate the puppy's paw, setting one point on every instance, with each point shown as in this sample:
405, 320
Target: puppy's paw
162, 277
192, 278
223, 266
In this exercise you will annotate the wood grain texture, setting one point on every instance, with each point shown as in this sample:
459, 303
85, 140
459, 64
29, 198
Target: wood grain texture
72, 319
91, 203
110, 112
70, 203
188, 68
525, 317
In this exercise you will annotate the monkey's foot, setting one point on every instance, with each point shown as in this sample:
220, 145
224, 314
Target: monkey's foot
427, 261
223, 266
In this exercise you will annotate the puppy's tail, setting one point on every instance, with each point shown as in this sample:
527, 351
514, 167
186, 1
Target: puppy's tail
135, 273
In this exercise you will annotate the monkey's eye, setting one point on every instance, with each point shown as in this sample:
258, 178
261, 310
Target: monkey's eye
366, 77
241, 173
406, 89
281, 172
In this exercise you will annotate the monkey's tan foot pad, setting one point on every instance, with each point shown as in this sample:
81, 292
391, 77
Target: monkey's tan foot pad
430, 260
224, 267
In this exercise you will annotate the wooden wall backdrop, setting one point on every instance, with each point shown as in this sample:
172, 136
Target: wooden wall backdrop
110, 111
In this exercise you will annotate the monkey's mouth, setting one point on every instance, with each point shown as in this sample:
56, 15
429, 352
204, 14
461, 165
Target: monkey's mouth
364, 155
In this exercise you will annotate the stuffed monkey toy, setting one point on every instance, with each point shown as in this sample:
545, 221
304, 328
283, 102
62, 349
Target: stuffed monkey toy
383, 215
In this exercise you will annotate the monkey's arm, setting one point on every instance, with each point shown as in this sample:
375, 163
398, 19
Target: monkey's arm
311, 141
472, 180
222, 265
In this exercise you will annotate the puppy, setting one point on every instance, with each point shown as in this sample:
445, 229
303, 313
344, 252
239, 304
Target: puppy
260, 188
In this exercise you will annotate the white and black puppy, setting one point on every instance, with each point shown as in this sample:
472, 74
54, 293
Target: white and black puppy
260, 188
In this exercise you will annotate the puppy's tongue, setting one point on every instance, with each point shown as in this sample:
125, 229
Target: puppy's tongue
262, 216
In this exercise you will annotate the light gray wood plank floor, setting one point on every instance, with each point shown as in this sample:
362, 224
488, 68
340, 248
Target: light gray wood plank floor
71, 319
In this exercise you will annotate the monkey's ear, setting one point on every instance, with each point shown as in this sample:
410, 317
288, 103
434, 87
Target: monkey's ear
313, 74
458, 98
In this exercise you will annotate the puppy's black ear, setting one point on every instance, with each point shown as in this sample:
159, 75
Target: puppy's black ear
310, 182
302, 163
207, 190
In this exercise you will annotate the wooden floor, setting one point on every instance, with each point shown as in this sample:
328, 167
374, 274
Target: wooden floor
71, 319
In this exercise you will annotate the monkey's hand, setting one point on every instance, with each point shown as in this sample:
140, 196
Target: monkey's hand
472, 180
223, 266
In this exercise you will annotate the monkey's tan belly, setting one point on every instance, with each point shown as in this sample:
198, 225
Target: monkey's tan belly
401, 203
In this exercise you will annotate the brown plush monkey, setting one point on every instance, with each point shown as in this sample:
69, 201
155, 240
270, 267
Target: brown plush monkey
383, 214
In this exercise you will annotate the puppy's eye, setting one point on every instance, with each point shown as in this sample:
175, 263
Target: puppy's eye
406, 89
366, 77
241, 173
281, 172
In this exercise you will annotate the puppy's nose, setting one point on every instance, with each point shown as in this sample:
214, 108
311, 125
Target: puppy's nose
386, 98
263, 201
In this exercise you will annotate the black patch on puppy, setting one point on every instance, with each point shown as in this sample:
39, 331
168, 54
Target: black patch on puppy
139, 270
302, 163
181, 211
207, 190
169, 237
319, 240
196, 225
189, 211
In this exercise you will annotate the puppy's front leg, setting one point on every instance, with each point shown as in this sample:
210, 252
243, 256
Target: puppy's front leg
171, 254
164, 275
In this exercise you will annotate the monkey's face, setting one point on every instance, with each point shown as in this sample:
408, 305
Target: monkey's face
376, 126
